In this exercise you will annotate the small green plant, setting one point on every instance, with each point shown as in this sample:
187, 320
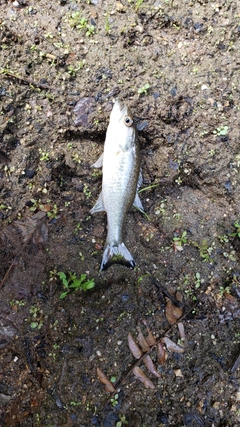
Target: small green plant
223, 291
53, 214
221, 131
44, 156
237, 231
223, 239
205, 250
114, 400
17, 303
144, 89
198, 280
76, 158
107, 24
96, 173
48, 35
36, 313
78, 228
90, 30
72, 70
81, 23
138, 4
161, 209
231, 255
72, 283
122, 421
86, 191
75, 403
178, 241
5, 207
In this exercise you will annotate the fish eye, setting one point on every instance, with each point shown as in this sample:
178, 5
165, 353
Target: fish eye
128, 121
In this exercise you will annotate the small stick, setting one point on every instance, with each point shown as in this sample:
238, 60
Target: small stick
29, 82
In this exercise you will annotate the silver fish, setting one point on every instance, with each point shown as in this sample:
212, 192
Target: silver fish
121, 179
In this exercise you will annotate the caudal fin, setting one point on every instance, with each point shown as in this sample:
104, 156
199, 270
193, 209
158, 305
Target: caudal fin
116, 254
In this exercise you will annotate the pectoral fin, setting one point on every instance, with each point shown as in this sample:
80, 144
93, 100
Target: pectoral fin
137, 203
99, 206
98, 163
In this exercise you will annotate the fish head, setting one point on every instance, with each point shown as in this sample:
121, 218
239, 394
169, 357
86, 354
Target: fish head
121, 126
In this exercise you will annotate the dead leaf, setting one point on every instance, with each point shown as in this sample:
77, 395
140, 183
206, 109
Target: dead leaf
151, 340
179, 296
181, 331
142, 341
149, 364
33, 227
142, 377
171, 346
173, 313
134, 347
161, 354
104, 380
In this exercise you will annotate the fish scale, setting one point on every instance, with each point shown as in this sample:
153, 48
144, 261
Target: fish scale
121, 178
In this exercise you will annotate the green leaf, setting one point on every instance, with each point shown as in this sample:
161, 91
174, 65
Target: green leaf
63, 278
63, 294
34, 325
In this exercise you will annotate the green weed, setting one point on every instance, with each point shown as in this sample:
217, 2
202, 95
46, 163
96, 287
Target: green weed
138, 4
144, 89
237, 231
81, 23
114, 400
44, 155
221, 131
72, 283
179, 241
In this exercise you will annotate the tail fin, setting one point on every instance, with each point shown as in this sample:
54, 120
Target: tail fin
116, 254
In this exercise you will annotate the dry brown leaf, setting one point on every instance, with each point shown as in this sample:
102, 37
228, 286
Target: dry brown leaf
173, 313
104, 380
142, 377
161, 354
181, 331
151, 340
149, 364
171, 346
134, 347
33, 228
179, 296
142, 341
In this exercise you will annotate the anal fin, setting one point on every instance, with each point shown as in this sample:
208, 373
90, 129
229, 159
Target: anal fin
137, 203
99, 206
98, 163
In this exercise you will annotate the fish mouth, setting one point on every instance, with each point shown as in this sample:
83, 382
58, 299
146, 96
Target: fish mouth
121, 109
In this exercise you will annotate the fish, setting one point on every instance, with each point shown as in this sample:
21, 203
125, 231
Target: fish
121, 179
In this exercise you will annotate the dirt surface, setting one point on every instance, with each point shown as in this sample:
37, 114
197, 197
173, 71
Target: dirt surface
177, 65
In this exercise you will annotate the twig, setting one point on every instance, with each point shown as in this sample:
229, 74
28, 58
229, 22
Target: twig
29, 82
235, 365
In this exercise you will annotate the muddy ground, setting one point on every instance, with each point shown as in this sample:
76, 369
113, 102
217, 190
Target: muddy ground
177, 65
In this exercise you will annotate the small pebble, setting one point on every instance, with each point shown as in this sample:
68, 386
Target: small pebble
120, 7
